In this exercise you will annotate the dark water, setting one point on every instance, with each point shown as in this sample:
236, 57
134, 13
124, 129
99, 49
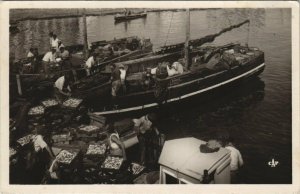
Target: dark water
257, 113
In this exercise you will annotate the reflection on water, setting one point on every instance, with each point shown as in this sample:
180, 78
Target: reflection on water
258, 114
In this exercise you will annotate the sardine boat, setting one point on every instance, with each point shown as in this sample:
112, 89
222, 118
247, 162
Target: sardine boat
23, 81
206, 68
235, 63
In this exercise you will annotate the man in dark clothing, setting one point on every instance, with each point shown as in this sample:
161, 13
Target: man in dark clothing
118, 76
145, 128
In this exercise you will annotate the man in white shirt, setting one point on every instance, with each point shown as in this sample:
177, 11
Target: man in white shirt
48, 58
55, 42
39, 144
62, 88
235, 163
90, 63
143, 126
123, 77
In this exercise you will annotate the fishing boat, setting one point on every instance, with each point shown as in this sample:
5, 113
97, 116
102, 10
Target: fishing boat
23, 81
207, 68
122, 18
130, 47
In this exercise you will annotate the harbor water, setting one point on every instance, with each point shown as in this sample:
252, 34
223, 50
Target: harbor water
257, 113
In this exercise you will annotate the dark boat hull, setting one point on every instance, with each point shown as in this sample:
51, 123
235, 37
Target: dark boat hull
129, 17
188, 88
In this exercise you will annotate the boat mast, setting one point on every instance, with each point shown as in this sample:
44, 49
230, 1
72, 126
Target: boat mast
85, 41
187, 38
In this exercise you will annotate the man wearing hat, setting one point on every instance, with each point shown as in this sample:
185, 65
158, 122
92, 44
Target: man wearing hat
145, 126
65, 56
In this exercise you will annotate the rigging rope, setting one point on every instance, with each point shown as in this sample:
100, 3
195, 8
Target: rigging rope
248, 33
169, 29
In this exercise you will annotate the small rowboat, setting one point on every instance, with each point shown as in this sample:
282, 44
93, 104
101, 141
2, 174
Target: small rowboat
121, 18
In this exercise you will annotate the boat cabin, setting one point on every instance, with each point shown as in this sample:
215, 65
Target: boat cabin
181, 162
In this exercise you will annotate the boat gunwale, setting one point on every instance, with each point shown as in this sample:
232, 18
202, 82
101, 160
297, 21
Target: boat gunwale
141, 107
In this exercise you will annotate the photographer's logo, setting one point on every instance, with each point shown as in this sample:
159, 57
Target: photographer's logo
273, 163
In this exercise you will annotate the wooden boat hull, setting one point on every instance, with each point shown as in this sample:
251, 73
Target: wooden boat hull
129, 17
187, 89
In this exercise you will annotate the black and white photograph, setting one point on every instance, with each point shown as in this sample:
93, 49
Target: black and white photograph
127, 95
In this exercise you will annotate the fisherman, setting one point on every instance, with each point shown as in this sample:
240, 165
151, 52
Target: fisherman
62, 87
123, 77
116, 82
65, 56
60, 44
30, 54
48, 58
148, 80
51, 38
90, 63
32, 58
39, 143
38, 156
145, 128
55, 42
175, 69
236, 160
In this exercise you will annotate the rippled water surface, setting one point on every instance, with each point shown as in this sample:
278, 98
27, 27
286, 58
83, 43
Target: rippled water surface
257, 113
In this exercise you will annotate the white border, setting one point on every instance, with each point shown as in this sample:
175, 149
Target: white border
4, 39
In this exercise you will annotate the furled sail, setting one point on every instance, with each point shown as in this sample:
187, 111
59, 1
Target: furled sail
200, 41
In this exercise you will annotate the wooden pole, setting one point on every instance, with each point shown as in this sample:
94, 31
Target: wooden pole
19, 84
85, 40
187, 39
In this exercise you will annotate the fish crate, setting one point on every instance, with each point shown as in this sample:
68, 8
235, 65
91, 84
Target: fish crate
88, 129
112, 163
96, 151
36, 113
72, 103
136, 169
25, 141
66, 158
50, 104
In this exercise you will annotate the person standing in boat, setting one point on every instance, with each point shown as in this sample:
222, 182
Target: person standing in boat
62, 87
55, 42
48, 58
90, 63
51, 38
118, 77
65, 56
32, 56
146, 130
